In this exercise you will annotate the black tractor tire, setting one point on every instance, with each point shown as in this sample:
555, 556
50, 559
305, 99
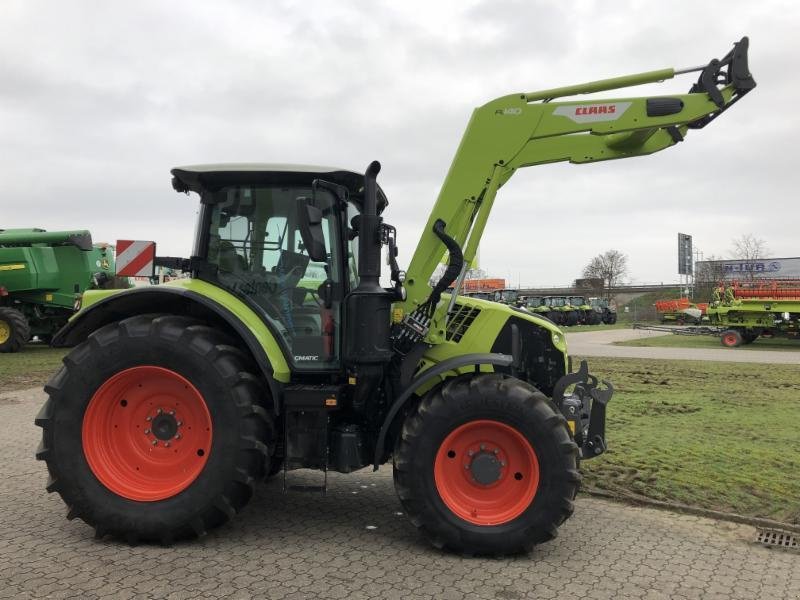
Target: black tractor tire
571, 317
474, 400
14, 329
240, 432
611, 319
555, 317
731, 338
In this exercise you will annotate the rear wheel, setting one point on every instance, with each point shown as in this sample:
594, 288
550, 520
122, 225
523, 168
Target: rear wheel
153, 430
486, 466
14, 329
731, 338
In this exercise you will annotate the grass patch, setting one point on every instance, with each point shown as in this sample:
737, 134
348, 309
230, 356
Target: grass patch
30, 367
671, 340
721, 436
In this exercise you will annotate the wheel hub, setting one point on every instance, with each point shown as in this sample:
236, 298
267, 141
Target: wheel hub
485, 468
165, 426
5, 332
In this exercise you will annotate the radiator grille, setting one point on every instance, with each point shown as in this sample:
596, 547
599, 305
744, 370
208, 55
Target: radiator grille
459, 321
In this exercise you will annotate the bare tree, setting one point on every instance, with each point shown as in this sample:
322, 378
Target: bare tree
611, 266
749, 248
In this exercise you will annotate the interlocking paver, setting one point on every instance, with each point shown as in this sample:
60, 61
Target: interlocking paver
306, 546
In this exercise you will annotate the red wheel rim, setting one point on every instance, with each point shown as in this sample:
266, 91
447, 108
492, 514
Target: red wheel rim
146, 433
729, 339
497, 454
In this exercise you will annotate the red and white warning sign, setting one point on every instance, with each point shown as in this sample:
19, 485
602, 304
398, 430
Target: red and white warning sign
135, 258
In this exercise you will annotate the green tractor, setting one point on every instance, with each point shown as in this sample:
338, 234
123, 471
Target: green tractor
42, 276
607, 313
586, 313
282, 351
565, 313
509, 297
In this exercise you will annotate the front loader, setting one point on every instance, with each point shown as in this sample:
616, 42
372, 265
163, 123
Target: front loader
282, 351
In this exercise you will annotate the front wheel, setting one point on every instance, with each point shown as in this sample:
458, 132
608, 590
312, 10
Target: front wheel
14, 329
486, 466
153, 430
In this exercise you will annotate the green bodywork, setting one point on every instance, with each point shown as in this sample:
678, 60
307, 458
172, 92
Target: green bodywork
778, 317
225, 299
526, 129
45, 272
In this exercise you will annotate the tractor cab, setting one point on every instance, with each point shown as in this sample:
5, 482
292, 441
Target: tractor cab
279, 237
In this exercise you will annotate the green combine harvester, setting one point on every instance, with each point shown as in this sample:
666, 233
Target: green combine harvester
282, 350
42, 277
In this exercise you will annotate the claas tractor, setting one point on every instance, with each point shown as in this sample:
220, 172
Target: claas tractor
42, 276
282, 350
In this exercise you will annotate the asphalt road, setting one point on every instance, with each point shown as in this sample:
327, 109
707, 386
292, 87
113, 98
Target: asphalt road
601, 343
355, 543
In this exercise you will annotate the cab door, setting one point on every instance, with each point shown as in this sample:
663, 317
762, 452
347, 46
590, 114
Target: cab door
256, 243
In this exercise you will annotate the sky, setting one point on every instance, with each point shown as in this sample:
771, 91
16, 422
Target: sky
99, 100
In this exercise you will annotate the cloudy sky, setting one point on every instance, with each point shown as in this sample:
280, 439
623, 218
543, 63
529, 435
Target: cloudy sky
98, 100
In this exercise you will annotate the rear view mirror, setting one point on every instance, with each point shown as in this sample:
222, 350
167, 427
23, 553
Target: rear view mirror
309, 221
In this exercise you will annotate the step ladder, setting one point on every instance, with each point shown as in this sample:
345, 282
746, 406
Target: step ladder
305, 431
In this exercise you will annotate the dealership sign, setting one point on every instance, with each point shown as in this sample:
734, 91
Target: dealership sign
776, 268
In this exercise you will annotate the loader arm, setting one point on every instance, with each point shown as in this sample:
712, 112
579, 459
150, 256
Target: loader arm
522, 130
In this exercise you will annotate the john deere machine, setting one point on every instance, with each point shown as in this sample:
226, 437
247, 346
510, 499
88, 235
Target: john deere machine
42, 275
282, 350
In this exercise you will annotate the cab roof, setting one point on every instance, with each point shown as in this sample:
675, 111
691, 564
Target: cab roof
212, 177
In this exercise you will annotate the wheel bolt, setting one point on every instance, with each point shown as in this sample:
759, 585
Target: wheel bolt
159, 411
180, 423
496, 451
148, 418
470, 453
166, 444
146, 431
177, 436
466, 467
155, 442
502, 463
172, 413
483, 446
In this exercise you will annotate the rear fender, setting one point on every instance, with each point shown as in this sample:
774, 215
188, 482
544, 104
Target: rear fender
189, 298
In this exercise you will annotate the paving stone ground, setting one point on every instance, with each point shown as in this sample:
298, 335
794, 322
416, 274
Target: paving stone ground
355, 543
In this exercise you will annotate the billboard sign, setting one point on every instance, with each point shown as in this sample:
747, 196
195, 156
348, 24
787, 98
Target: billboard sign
685, 266
772, 268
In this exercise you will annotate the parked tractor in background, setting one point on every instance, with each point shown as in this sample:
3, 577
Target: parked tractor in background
607, 312
586, 313
507, 296
282, 351
747, 310
42, 276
